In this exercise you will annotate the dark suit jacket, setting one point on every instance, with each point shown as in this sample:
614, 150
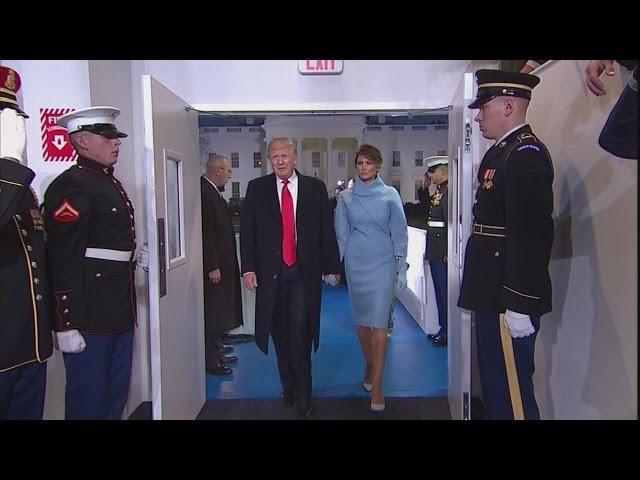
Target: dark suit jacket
25, 318
222, 301
261, 250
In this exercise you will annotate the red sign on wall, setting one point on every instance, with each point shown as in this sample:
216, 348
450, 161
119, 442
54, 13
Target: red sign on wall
56, 146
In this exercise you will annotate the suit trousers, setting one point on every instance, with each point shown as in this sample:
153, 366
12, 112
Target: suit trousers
493, 373
22, 392
211, 350
98, 377
291, 335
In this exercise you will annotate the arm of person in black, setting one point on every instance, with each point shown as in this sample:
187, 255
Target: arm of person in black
67, 220
210, 257
248, 231
330, 255
529, 227
14, 185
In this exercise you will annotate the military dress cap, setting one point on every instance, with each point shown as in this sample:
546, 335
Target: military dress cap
437, 160
98, 120
9, 86
496, 83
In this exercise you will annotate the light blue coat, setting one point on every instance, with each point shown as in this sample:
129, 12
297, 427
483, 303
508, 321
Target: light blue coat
372, 231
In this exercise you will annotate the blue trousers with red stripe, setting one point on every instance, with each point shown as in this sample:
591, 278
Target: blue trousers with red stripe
98, 377
22, 392
493, 373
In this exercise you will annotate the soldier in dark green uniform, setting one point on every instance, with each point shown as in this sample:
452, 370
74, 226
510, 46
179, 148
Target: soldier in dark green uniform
25, 331
507, 256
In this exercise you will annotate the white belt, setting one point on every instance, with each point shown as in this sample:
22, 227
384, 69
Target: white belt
107, 254
435, 224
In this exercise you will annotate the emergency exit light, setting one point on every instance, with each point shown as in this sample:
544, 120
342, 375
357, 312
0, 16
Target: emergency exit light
320, 67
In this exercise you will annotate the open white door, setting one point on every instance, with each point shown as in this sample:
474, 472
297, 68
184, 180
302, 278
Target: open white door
174, 226
462, 136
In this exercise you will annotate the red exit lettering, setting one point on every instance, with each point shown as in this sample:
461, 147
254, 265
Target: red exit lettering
321, 65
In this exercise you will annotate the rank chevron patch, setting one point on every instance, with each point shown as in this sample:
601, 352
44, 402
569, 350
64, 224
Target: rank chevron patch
66, 212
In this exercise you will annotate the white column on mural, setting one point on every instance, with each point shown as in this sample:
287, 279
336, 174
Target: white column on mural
330, 168
268, 162
298, 143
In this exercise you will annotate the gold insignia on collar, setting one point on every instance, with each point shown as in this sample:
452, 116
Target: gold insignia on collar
524, 136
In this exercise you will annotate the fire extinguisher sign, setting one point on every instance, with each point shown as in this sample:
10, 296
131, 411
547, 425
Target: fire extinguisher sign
56, 146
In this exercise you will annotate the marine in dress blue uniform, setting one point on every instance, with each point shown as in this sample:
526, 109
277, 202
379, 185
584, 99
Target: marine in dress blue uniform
91, 243
507, 256
436, 248
25, 338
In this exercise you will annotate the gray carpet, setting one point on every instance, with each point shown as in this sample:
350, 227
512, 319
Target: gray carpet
326, 408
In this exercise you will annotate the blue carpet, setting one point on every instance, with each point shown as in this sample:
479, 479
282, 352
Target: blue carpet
414, 367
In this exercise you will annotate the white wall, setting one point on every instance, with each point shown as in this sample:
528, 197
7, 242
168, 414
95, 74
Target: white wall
277, 85
587, 349
49, 84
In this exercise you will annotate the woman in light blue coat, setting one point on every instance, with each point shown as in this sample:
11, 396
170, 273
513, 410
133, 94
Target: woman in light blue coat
372, 236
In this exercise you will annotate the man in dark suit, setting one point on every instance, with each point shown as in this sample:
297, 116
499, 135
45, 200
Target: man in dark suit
287, 243
25, 323
222, 296
506, 265
91, 244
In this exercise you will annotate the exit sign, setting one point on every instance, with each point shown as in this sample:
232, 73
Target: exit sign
320, 67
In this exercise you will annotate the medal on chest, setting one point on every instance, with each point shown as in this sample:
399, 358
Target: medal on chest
487, 182
36, 218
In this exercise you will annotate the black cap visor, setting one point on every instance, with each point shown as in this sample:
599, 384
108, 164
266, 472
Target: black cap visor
107, 130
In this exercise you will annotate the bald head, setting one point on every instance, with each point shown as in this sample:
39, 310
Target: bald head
214, 161
218, 170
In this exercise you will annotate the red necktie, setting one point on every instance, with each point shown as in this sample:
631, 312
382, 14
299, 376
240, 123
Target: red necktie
288, 227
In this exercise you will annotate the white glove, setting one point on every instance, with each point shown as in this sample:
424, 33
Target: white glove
519, 324
70, 341
401, 275
13, 138
330, 279
142, 256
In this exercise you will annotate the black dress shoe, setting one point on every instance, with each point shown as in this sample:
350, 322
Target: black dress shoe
226, 360
440, 341
219, 370
224, 349
306, 411
287, 399
430, 336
